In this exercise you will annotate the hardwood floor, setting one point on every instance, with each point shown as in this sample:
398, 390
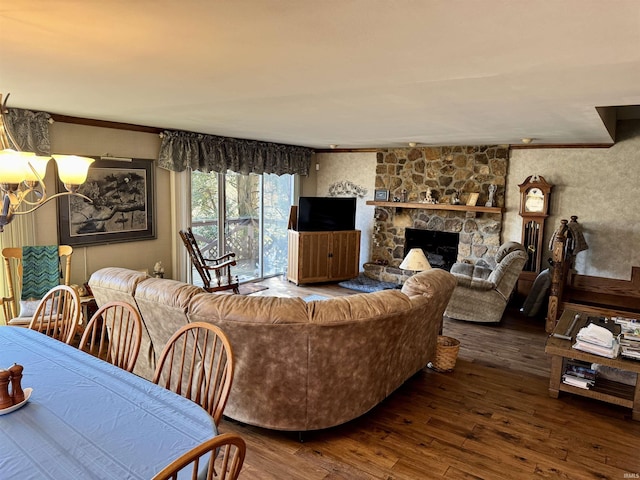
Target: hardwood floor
491, 418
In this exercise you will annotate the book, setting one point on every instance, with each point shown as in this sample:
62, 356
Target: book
577, 381
603, 351
580, 370
607, 323
632, 354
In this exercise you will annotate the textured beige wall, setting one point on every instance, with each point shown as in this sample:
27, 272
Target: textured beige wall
360, 169
600, 186
94, 141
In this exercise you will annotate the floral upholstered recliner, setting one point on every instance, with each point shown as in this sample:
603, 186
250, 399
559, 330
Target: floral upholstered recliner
482, 293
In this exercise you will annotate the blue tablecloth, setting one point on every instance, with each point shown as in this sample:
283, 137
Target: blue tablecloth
88, 419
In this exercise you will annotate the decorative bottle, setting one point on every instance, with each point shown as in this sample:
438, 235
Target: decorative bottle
17, 394
5, 398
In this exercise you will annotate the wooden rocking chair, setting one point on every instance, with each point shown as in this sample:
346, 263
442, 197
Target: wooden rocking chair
222, 279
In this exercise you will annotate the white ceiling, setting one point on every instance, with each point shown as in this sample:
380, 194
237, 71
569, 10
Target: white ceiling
355, 73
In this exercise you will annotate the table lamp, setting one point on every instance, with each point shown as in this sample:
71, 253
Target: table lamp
415, 260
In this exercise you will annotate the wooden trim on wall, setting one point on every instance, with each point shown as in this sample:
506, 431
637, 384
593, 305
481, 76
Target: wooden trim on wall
349, 150
561, 145
105, 124
609, 286
513, 147
605, 293
145, 129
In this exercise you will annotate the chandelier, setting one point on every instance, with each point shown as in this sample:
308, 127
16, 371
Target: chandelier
21, 174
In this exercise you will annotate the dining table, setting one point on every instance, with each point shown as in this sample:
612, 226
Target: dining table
86, 418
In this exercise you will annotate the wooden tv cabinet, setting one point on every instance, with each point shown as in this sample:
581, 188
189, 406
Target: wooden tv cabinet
323, 256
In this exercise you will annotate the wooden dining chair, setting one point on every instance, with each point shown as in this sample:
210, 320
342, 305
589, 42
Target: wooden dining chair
227, 449
114, 334
15, 276
58, 314
215, 272
197, 363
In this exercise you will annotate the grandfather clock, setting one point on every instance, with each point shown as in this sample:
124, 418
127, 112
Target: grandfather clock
534, 209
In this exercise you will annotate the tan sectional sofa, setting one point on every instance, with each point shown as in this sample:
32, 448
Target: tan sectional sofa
299, 366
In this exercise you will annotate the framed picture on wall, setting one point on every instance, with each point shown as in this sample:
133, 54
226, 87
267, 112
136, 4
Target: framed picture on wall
473, 199
122, 207
381, 195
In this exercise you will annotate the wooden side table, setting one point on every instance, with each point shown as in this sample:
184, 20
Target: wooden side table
89, 307
605, 390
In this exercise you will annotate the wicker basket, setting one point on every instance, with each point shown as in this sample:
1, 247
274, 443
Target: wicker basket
446, 354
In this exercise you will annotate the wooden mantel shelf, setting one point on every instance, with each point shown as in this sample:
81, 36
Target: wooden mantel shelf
437, 206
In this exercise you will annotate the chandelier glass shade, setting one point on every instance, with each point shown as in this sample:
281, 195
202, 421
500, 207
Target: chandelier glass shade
21, 174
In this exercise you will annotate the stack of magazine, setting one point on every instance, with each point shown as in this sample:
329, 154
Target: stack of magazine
579, 375
630, 338
599, 337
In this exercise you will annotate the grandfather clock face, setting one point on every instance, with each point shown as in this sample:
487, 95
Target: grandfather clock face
534, 196
534, 201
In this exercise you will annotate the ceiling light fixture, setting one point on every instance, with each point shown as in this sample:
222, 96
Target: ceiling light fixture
333, 146
412, 144
21, 174
527, 141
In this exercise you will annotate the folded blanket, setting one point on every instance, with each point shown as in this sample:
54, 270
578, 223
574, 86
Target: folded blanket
40, 270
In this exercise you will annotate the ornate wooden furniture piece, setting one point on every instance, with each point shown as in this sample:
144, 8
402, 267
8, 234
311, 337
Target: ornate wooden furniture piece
534, 209
585, 293
222, 279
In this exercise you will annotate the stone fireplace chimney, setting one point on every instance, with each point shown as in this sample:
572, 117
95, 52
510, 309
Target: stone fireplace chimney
446, 172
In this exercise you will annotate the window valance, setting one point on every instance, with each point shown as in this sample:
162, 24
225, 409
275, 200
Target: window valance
210, 153
30, 130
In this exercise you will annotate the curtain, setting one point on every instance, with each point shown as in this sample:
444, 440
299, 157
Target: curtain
210, 153
30, 130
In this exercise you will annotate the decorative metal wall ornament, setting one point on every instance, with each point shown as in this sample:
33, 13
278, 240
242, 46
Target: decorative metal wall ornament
346, 188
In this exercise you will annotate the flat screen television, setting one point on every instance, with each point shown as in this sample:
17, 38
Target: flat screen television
318, 214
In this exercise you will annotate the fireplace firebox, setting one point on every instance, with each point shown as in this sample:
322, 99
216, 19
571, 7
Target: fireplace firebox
441, 248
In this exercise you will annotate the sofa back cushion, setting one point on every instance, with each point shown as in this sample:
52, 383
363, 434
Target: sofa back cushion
163, 307
372, 343
269, 340
119, 284
357, 307
428, 283
247, 309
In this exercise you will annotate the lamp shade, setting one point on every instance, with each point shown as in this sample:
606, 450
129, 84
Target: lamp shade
39, 164
72, 169
415, 260
13, 165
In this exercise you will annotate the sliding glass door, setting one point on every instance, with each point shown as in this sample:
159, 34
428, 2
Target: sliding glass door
253, 211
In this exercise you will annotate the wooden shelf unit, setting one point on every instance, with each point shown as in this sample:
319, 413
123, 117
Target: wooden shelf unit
323, 256
605, 390
438, 206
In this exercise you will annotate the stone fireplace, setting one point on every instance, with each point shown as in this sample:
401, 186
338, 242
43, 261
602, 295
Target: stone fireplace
445, 171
